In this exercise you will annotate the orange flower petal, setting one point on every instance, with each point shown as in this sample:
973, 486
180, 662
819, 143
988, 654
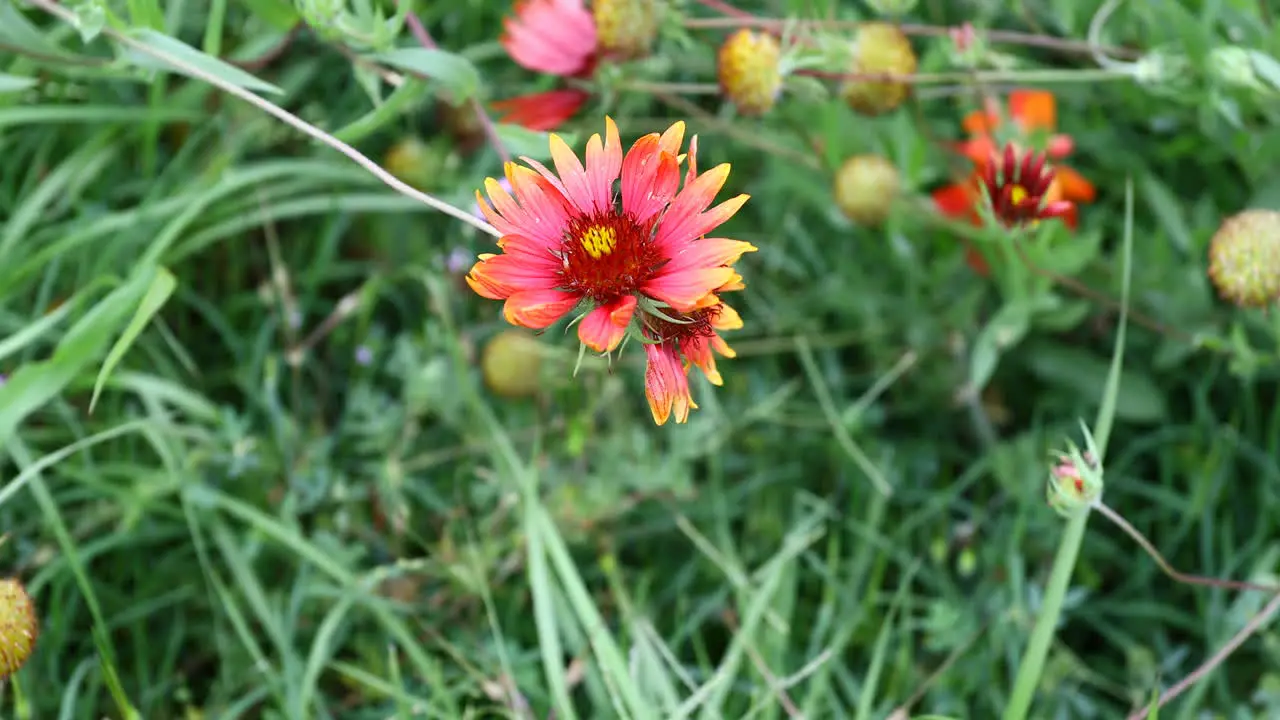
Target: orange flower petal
981, 122
1074, 185
537, 309
542, 111
955, 200
1033, 109
603, 328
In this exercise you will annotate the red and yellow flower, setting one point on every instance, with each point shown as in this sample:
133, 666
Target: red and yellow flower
1034, 122
570, 240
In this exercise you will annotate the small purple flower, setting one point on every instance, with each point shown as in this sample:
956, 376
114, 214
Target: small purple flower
364, 356
475, 208
458, 260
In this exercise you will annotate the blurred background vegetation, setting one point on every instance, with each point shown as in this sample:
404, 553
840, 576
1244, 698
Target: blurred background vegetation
266, 455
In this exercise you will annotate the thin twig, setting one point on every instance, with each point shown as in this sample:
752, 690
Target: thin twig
1215, 660
424, 39
283, 115
1168, 569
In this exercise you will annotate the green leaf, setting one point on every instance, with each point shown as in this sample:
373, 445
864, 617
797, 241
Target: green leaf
184, 54
521, 141
279, 14
161, 288
457, 76
1003, 331
1138, 399
35, 384
15, 83
1266, 67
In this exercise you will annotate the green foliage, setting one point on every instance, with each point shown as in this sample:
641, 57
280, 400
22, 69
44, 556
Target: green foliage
250, 466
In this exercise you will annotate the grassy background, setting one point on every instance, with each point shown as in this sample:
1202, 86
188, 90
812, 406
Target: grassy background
296, 497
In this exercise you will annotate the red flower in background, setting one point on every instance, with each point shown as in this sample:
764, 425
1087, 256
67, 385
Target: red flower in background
556, 37
1034, 119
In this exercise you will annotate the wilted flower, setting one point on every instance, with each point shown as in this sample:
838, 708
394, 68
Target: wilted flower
1244, 258
749, 67
557, 37
568, 240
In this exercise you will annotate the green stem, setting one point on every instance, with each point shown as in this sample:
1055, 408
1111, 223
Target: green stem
1024, 687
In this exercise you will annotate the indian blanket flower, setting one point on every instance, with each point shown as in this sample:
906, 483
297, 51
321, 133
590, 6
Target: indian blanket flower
570, 240
1018, 188
1033, 125
556, 37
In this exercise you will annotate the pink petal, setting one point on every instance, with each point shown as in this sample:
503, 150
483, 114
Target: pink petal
683, 289
685, 219
604, 162
650, 178
571, 173
666, 385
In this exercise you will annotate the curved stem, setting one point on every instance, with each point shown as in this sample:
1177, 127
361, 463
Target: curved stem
1168, 569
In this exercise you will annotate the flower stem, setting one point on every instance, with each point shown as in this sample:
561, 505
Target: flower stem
1032, 666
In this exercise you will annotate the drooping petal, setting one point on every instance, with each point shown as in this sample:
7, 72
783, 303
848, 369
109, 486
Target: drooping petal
1033, 109
666, 385
538, 308
542, 111
604, 327
1074, 186
956, 200
697, 351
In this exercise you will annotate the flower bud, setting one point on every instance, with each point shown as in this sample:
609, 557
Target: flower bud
866, 187
511, 364
1075, 482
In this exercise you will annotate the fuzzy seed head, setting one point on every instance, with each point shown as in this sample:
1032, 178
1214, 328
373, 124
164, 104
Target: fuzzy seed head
866, 187
18, 627
626, 28
750, 76
1244, 258
879, 48
511, 363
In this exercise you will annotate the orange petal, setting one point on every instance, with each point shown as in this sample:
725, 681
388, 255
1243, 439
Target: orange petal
537, 309
603, 328
981, 122
1033, 109
979, 150
1074, 186
540, 111
955, 200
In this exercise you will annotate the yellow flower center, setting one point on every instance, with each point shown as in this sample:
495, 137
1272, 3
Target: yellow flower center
598, 241
1018, 194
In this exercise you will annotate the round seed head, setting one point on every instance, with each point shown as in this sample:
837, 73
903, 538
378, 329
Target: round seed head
18, 627
879, 48
866, 187
748, 66
1244, 258
511, 364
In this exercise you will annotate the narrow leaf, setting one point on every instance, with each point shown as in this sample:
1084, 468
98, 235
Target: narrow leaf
161, 288
458, 77
184, 54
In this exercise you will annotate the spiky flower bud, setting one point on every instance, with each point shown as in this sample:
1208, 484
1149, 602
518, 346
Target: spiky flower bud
866, 187
626, 28
1244, 258
749, 70
18, 627
879, 48
511, 364
1075, 482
